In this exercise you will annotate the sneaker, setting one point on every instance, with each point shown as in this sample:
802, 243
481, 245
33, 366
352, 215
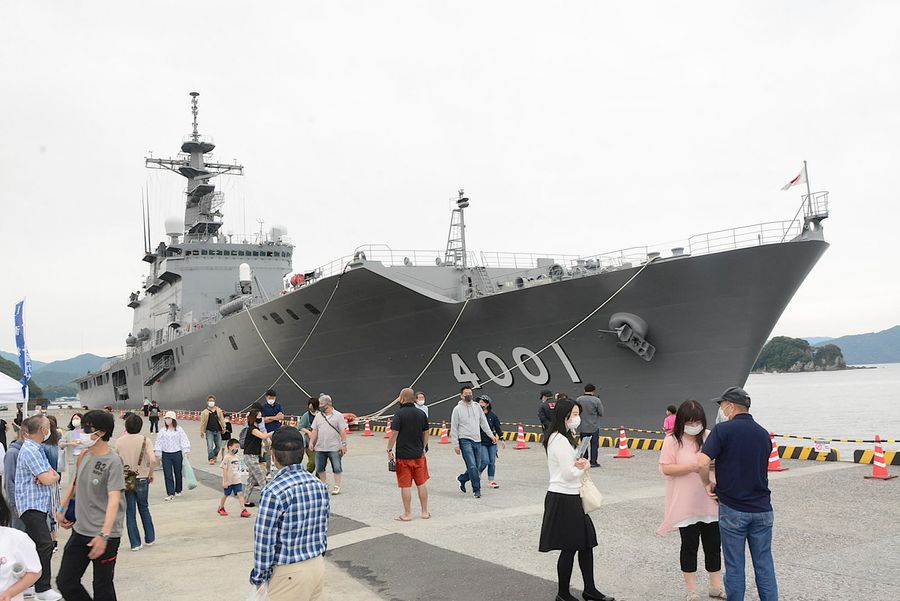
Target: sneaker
336, 490
212, 461
494, 484
250, 504
462, 484
48, 595
221, 511
477, 495
169, 498
138, 548
245, 513
178, 494
149, 543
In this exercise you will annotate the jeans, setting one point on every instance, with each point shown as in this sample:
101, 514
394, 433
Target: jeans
488, 459
172, 464
595, 446
213, 444
74, 563
37, 529
738, 529
471, 454
136, 502
154, 425
322, 459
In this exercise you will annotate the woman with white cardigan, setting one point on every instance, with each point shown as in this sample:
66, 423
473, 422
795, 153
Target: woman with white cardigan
566, 527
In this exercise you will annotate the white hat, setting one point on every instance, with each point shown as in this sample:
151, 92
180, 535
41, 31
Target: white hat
169, 415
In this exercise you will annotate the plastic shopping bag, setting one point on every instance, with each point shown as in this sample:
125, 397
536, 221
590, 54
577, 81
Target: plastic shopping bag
189, 474
260, 593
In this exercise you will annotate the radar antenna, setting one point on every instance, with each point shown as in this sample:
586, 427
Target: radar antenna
456, 239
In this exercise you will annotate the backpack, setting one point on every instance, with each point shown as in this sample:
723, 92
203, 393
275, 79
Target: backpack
242, 437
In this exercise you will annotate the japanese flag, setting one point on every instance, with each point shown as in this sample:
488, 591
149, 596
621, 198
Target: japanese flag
800, 179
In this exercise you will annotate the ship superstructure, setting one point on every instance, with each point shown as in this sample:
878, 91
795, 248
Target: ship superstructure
650, 326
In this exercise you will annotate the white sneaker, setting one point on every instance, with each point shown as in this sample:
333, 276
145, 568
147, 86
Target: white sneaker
48, 595
149, 544
169, 498
178, 494
138, 548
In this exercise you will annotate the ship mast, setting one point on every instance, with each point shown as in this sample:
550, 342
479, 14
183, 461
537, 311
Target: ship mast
456, 239
202, 217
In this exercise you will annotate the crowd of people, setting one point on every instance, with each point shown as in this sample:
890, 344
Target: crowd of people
717, 492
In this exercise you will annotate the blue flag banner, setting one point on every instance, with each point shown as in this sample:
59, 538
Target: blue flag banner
24, 357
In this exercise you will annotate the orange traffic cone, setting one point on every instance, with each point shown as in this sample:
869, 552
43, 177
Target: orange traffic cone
774, 459
293, 422
445, 435
879, 467
387, 431
368, 430
624, 451
520, 438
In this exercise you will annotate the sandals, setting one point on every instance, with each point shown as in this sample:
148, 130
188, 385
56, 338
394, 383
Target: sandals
400, 518
336, 490
717, 593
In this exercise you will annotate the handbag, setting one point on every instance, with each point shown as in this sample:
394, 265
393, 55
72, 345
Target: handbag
189, 475
131, 475
392, 465
591, 497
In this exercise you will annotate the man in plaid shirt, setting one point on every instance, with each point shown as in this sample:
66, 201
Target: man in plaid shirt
290, 535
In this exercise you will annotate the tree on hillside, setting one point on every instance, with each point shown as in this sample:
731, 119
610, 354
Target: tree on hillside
783, 352
12, 370
828, 354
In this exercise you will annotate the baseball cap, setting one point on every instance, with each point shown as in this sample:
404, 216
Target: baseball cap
483, 397
287, 439
736, 395
546, 392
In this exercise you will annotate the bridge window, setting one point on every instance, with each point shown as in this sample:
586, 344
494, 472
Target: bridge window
255, 253
291, 313
203, 252
240, 253
277, 318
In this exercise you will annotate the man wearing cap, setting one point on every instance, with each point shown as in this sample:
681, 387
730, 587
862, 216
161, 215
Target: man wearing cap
290, 534
591, 412
545, 411
741, 449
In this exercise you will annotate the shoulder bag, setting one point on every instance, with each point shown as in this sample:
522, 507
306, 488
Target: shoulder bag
591, 498
131, 475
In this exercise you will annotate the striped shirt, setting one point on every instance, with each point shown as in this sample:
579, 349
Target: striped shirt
31, 463
292, 522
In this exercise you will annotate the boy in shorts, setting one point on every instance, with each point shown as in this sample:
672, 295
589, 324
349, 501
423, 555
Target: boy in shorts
231, 478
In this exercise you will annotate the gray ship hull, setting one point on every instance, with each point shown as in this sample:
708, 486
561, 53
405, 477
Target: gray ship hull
707, 316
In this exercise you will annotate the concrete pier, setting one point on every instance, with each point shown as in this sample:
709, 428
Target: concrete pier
837, 536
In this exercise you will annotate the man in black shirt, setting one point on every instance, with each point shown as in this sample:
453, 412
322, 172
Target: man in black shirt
546, 410
410, 437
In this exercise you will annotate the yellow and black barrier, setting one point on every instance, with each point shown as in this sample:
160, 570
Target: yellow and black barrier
866, 457
807, 453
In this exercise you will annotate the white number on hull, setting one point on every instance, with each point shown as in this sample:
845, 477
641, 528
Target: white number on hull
523, 355
503, 377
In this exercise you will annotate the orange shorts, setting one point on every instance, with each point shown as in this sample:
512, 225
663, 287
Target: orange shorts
412, 470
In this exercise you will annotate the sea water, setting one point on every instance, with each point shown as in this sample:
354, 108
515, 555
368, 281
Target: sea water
852, 403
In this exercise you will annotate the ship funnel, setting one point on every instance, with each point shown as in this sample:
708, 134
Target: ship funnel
174, 229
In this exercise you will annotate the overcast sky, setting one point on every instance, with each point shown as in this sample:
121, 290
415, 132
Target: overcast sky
575, 127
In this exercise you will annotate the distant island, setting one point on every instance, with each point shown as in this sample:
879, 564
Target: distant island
862, 349
791, 355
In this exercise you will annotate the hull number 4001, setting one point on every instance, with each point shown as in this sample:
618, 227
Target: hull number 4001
528, 363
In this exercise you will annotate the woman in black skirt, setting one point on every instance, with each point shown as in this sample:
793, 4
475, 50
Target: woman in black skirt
566, 527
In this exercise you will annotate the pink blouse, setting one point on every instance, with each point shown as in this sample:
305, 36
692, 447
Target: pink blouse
686, 499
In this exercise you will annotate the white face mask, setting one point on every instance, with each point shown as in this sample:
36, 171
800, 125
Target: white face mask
574, 422
420, 401
47, 436
693, 430
88, 442
270, 401
211, 404
76, 423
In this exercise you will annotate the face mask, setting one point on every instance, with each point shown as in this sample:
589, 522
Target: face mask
574, 422
420, 401
693, 430
89, 441
47, 435
76, 423
259, 421
467, 398
210, 404
270, 401
168, 421
234, 451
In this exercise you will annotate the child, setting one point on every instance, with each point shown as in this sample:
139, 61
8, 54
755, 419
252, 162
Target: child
669, 422
226, 434
231, 479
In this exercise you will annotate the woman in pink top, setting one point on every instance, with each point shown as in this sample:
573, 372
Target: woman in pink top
688, 506
669, 422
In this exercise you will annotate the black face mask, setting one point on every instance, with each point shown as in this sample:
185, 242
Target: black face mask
467, 398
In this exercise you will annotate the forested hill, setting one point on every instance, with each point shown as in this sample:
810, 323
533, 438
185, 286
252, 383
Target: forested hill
784, 354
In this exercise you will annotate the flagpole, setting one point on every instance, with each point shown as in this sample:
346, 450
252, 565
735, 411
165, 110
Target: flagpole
808, 193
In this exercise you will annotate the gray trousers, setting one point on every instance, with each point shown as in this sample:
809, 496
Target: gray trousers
255, 477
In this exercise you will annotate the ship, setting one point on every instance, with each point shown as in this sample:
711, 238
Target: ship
648, 326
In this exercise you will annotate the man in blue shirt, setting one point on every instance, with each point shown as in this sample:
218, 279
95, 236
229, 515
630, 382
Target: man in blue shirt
34, 481
290, 535
272, 411
741, 449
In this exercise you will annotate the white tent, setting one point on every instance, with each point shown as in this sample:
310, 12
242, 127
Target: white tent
10, 390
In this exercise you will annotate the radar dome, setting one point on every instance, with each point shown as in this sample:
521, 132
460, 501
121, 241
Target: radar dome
174, 226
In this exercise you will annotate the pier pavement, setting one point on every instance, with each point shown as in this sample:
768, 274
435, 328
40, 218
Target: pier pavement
837, 536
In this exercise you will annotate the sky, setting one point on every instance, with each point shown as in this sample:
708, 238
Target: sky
574, 127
